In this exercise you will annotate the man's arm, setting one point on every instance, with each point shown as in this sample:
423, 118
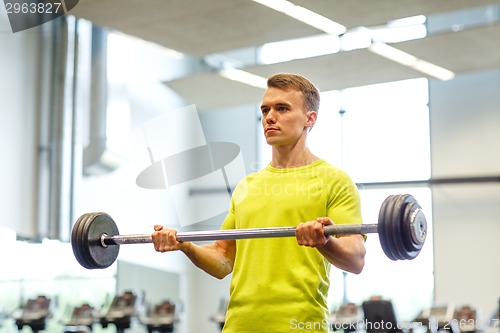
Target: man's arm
345, 252
216, 259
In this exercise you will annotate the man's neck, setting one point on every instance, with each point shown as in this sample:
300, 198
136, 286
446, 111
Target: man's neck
291, 157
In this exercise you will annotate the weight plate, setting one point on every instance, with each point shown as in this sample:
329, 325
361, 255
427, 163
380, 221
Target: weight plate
383, 221
78, 239
416, 225
402, 227
86, 240
395, 230
74, 236
409, 233
100, 256
394, 224
409, 248
393, 235
83, 241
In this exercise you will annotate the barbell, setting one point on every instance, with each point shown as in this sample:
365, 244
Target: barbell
402, 229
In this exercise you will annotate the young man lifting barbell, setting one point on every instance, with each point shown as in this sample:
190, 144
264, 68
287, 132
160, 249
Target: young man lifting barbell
276, 285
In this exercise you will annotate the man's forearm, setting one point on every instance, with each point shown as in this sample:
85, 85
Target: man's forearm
346, 253
211, 258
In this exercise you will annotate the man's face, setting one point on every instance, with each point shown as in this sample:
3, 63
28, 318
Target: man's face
284, 118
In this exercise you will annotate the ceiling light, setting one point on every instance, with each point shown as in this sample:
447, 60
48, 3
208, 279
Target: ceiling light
392, 53
305, 15
121, 38
272, 53
354, 39
407, 21
411, 61
244, 77
433, 70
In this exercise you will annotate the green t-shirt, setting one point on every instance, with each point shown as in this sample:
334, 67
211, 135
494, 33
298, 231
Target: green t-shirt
277, 285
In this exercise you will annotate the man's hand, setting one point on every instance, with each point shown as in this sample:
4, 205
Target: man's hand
346, 252
216, 259
311, 233
165, 239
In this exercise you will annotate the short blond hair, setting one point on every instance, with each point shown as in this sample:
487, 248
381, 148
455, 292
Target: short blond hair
300, 83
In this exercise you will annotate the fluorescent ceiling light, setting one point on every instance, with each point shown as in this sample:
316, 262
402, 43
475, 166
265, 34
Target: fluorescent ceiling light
272, 53
433, 70
392, 53
126, 39
305, 15
407, 21
354, 39
244, 77
411, 61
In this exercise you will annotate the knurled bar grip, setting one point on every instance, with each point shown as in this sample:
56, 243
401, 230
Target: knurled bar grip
233, 234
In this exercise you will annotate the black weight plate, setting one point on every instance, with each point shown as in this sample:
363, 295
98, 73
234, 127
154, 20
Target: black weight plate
401, 228
393, 230
397, 238
86, 240
83, 241
388, 230
416, 237
100, 256
390, 226
74, 236
382, 228
79, 240
409, 243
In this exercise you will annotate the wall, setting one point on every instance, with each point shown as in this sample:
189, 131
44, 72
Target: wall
19, 82
465, 141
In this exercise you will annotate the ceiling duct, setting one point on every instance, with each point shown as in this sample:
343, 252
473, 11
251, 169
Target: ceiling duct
98, 159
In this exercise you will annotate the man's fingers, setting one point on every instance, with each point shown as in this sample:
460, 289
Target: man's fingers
324, 220
165, 239
310, 234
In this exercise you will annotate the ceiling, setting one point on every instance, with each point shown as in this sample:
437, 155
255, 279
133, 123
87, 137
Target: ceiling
204, 27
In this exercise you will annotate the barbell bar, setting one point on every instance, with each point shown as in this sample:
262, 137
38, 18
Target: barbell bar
402, 229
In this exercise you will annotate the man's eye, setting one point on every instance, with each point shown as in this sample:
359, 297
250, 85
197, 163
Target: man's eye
265, 111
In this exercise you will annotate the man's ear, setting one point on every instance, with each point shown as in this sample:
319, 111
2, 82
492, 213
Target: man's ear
311, 118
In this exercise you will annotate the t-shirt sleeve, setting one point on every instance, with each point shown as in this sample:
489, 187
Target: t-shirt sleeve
344, 204
229, 221
238, 195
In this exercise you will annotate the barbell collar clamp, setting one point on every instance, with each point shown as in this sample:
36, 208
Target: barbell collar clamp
418, 226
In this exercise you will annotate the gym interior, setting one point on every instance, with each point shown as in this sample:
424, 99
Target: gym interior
94, 98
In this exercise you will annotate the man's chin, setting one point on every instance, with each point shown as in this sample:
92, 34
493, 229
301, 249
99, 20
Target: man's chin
270, 141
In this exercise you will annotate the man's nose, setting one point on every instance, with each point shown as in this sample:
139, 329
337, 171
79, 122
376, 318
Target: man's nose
271, 117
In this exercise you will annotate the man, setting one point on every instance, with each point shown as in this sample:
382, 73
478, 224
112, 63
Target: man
277, 285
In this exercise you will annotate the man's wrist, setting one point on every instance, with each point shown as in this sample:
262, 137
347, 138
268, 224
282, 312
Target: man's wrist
328, 239
185, 247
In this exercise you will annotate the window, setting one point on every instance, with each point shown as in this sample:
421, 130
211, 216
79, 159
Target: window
386, 132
